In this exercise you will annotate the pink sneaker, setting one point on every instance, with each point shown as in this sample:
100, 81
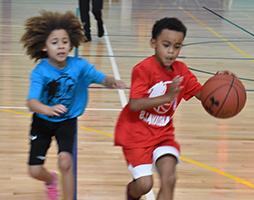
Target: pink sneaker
51, 189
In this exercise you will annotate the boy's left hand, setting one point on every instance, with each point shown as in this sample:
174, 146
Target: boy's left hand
119, 84
111, 82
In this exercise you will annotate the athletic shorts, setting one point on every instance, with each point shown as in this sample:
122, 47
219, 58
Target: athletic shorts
41, 134
141, 161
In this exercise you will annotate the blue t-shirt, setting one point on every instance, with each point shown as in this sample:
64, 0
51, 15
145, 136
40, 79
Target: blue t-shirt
67, 86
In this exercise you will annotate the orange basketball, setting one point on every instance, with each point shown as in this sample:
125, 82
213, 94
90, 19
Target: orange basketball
223, 96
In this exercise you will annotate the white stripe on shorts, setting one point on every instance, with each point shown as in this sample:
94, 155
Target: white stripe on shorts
141, 170
147, 169
163, 150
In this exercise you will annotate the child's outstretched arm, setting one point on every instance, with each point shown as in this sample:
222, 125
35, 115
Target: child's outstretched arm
146, 103
198, 95
111, 82
38, 107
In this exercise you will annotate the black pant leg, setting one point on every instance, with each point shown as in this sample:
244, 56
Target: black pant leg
84, 7
97, 6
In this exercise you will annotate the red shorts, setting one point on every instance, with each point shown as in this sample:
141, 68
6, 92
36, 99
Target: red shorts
141, 160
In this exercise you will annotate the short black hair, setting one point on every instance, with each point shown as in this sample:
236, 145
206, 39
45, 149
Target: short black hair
168, 23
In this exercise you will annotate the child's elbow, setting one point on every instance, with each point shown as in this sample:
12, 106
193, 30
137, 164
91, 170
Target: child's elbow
29, 104
198, 95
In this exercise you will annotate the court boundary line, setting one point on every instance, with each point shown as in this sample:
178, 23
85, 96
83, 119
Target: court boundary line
89, 109
229, 21
123, 99
190, 161
114, 65
183, 158
216, 34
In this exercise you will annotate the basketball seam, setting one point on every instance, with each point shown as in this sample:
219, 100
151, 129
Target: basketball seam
222, 104
211, 93
207, 97
237, 108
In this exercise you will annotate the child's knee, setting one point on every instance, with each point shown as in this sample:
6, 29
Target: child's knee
169, 180
64, 161
145, 184
34, 171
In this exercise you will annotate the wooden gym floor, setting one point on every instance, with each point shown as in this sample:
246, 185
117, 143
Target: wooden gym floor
217, 155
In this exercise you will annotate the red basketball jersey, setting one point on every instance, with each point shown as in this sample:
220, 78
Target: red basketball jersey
150, 127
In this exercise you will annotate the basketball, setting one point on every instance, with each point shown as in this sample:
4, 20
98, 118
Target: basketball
223, 95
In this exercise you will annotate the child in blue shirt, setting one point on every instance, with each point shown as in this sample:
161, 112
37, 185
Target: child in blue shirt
58, 93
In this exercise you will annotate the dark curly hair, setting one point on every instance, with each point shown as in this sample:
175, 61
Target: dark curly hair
38, 28
168, 23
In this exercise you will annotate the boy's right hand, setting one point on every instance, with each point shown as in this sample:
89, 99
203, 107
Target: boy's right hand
56, 110
175, 87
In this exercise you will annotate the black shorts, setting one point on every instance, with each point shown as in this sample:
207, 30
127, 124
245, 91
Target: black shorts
41, 135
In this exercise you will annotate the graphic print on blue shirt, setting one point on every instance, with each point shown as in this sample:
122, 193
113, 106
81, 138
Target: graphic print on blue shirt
61, 91
67, 86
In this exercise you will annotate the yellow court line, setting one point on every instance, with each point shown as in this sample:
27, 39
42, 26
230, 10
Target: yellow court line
95, 131
191, 161
218, 171
15, 112
211, 30
183, 158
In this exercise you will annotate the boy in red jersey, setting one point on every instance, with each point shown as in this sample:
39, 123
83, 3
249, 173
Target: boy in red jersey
145, 129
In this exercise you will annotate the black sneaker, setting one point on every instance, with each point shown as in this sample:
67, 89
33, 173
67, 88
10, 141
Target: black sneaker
88, 38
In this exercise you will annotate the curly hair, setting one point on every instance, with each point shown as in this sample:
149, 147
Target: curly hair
38, 28
168, 23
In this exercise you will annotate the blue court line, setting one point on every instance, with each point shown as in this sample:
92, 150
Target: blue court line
75, 143
227, 20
